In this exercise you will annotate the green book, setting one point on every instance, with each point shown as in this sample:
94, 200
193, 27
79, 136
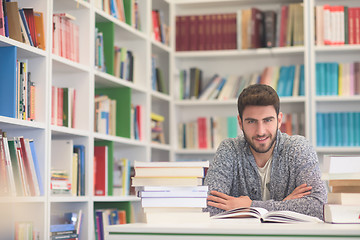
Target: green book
346, 28
122, 95
232, 126
108, 29
110, 148
128, 11
66, 107
16, 168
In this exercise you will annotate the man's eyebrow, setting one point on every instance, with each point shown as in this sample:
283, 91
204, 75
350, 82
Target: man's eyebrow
253, 119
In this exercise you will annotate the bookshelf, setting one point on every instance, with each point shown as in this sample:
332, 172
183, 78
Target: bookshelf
49, 69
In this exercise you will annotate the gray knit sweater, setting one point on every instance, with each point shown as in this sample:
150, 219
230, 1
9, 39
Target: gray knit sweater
233, 171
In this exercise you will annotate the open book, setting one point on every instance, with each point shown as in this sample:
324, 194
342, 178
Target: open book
265, 216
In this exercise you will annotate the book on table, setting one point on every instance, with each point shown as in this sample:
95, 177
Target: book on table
267, 216
337, 213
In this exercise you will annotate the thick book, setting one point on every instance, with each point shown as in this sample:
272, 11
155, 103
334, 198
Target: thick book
169, 171
343, 198
336, 213
172, 164
266, 216
166, 181
174, 202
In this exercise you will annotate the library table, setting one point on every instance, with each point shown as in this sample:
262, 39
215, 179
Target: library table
228, 229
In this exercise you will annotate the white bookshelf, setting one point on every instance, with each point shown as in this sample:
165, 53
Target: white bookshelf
48, 69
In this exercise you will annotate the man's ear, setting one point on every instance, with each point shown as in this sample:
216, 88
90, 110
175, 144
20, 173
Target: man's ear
240, 122
280, 116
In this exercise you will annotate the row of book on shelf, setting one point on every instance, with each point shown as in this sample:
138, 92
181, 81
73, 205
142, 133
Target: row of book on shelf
66, 41
337, 25
124, 63
157, 76
338, 129
342, 174
255, 29
106, 217
172, 192
22, 24
67, 168
124, 10
19, 167
208, 132
63, 102
286, 80
160, 30
107, 116
206, 32
66, 226
18, 88
338, 79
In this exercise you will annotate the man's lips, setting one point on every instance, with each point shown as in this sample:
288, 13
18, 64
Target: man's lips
261, 139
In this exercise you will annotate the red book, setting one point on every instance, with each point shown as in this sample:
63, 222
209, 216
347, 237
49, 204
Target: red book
256, 31
201, 33
357, 25
2, 26
232, 31
207, 24
185, 32
138, 120
219, 31
283, 25
100, 160
156, 26
178, 33
193, 31
351, 25
29, 14
202, 139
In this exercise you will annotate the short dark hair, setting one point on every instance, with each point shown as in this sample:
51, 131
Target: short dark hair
258, 95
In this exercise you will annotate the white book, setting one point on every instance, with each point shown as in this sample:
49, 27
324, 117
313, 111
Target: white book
267, 216
172, 194
174, 202
344, 198
337, 164
336, 213
166, 181
169, 171
172, 164
32, 167
171, 209
173, 188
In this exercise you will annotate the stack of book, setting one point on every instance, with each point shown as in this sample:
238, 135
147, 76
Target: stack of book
343, 175
172, 192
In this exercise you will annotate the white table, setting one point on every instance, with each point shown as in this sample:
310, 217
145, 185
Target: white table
232, 229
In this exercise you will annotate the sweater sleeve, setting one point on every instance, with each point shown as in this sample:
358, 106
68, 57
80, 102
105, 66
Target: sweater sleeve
306, 167
220, 173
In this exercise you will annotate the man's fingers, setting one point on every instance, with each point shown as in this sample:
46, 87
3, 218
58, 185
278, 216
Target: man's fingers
216, 199
220, 194
217, 205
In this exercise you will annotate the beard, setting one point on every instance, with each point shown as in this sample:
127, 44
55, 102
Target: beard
261, 148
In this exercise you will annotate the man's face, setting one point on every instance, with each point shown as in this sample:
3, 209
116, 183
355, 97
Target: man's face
259, 125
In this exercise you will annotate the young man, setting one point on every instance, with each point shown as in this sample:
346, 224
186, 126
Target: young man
264, 167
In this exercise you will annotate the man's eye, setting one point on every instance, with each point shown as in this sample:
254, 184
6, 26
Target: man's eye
268, 120
251, 121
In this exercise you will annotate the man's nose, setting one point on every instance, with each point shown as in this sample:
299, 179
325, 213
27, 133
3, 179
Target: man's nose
260, 130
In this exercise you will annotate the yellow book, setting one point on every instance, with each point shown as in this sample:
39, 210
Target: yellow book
340, 83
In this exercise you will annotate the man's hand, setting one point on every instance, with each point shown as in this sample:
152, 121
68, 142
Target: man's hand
299, 192
226, 202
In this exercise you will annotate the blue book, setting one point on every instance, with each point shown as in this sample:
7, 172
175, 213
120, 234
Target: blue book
328, 75
332, 120
338, 123
345, 133
322, 78
8, 81
153, 73
6, 24
37, 168
318, 79
290, 81
326, 129
357, 128
281, 82
334, 81
351, 135
319, 129
80, 150
61, 227
302, 81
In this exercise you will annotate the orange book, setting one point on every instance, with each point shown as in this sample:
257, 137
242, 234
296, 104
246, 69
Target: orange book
39, 26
